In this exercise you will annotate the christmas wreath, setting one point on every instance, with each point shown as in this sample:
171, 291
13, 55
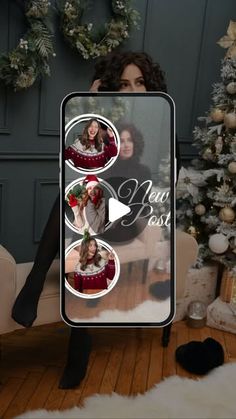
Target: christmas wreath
83, 38
22, 66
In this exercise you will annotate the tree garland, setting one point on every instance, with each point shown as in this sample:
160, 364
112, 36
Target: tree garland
22, 66
83, 38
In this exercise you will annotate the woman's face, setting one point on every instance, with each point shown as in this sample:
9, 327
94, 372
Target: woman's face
126, 145
92, 248
93, 129
91, 191
132, 80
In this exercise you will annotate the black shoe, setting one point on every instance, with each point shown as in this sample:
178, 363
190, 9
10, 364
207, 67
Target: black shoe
25, 308
77, 363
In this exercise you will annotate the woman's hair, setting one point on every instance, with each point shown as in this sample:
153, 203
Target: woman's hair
110, 68
85, 136
84, 250
136, 137
98, 195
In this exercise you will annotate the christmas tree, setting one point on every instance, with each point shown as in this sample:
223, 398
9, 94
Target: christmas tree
206, 191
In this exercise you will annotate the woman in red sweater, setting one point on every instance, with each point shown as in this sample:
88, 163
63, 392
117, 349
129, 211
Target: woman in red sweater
90, 151
94, 272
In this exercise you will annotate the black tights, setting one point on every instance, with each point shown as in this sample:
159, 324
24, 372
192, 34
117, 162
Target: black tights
25, 307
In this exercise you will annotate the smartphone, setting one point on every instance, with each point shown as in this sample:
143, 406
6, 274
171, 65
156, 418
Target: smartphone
117, 209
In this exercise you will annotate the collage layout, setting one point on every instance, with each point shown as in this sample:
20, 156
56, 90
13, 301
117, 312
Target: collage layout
91, 264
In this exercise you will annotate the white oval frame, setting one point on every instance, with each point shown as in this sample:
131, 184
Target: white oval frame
114, 281
75, 182
105, 121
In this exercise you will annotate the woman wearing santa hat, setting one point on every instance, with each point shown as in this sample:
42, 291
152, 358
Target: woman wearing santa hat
94, 271
89, 212
90, 151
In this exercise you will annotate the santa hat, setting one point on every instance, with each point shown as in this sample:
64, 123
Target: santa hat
91, 180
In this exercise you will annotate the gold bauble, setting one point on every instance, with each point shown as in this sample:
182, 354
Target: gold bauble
192, 231
207, 155
230, 120
200, 209
217, 115
227, 214
232, 167
231, 88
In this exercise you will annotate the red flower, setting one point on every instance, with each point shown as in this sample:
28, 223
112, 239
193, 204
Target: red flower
72, 200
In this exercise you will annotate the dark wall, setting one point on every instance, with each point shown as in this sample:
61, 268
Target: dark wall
180, 34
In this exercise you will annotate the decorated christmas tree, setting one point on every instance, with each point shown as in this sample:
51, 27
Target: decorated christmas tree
206, 191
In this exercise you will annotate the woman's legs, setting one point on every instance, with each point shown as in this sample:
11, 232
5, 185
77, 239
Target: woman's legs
78, 352
25, 307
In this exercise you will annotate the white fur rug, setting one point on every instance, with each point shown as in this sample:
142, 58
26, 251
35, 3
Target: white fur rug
148, 311
213, 396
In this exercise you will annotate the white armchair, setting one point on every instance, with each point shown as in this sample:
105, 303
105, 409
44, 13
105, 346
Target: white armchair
13, 276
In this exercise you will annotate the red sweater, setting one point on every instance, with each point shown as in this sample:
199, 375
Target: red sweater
96, 279
91, 160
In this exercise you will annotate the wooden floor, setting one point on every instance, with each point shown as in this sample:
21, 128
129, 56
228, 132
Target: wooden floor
127, 361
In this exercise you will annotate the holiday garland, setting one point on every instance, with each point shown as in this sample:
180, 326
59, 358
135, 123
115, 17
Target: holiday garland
83, 38
22, 66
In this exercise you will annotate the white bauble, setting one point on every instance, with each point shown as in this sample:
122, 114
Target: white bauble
232, 167
231, 88
200, 209
218, 243
230, 120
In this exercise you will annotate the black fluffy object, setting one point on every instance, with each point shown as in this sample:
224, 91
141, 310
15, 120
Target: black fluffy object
200, 357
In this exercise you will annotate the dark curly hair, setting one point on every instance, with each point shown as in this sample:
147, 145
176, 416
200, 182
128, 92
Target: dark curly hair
110, 68
136, 136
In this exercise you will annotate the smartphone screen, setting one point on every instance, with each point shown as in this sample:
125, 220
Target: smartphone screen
117, 209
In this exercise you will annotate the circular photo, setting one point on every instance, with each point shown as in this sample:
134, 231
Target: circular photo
86, 205
91, 143
92, 267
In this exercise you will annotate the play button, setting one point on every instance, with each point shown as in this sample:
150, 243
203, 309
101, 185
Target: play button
116, 209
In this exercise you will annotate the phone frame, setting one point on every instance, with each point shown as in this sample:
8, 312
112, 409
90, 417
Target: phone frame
173, 179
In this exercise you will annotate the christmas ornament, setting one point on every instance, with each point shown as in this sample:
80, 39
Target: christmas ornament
218, 145
230, 120
224, 188
196, 314
231, 88
217, 115
207, 155
229, 41
232, 167
188, 182
193, 231
218, 243
227, 214
200, 209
